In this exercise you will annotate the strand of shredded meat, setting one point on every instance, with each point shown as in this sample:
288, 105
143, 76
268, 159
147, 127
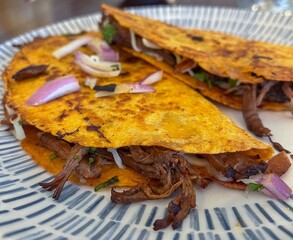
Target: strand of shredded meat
250, 114
267, 86
75, 156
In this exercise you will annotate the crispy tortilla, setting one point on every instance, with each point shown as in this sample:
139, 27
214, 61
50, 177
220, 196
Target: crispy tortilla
186, 123
220, 54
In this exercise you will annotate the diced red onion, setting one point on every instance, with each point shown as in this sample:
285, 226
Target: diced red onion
133, 88
71, 47
104, 50
94, 62
96, 68
116, 157
90, 82
274, 186
18, 129
54, 89
152, 78
150, 44
127, 88
133, 42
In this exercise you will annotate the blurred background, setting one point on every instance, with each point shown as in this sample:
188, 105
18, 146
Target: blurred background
20, 16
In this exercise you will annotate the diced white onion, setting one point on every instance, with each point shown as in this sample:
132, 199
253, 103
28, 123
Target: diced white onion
97, 73
150, 44
155, 55
90, 82
71, 47
18, 129
10, 111
190, 72
133, 42
116, 157
178, 58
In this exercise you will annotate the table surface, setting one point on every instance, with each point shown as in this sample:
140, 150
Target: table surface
20, 16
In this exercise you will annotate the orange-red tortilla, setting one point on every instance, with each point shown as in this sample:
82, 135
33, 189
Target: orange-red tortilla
217, 53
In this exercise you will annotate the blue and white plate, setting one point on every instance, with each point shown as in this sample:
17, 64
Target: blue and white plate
28, 212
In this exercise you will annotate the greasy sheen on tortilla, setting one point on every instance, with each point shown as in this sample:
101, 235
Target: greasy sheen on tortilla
220, 54
175, 116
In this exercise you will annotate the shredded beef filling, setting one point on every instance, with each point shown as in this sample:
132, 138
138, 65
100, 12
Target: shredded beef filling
236, 165
75, 155
250, 114
167, 172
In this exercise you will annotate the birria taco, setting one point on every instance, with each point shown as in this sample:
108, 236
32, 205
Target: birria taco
162, 135
239, 73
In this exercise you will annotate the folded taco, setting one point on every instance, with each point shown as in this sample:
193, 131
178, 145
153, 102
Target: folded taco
239, 73
162, 135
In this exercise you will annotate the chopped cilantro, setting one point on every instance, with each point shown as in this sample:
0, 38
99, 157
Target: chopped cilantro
201, 76
75, 157
255, 187
209, 82
111, 181
115, 67
53, 156
109, 32
20, 122
93, 149
91, 160
232, 82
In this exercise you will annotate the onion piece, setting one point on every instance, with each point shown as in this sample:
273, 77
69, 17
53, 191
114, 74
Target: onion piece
276, 186
54, 89
10, 111
178, 58
104, 50
116, 157
273, 185
94, 62
133, 42
126, 88
150, 44
90, 82
95, 72
152, 78
72, 46
95, 68
155, 55
18, 129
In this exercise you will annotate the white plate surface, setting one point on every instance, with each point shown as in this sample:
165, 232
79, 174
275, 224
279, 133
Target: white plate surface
28, 212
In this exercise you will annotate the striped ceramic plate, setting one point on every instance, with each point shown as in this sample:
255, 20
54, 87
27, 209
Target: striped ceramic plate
28, 212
